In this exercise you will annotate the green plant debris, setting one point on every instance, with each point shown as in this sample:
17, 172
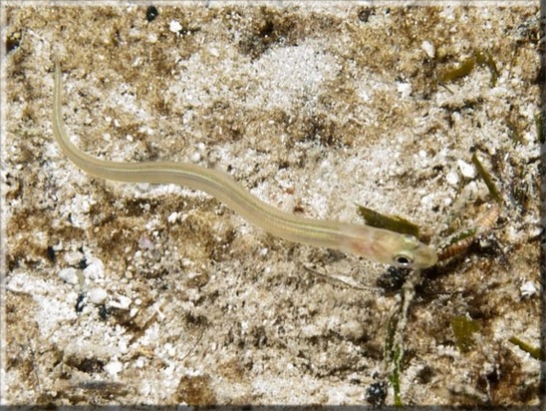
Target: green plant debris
395, 223
389, 341
534, 352
513, 133
479, 58
463, 70
395, 377
463, 328
541, 126
486, 59
487, 179
393, 352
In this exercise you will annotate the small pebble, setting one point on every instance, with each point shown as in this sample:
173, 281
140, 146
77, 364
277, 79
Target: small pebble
196, 157
69, 275
175, 26
151, 13
528, 289
467, 170
428, 48
97, 296
452, 178
94, 269
73, 258
352, 330
404, 89
113, 368
428, 199
121, 302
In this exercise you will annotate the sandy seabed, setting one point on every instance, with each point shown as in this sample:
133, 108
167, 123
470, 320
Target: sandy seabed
157, 294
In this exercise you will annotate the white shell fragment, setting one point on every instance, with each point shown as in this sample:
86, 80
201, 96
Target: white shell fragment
94, 269
467, 170
69, 275
452, 178
429, 49
113, 368
352, 330
121, 302
175, 26
528, 289
98, 295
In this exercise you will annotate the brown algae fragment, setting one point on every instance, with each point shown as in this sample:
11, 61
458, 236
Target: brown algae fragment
487, 179
463, 328
479, 58
541, 128
535, 352
394, 223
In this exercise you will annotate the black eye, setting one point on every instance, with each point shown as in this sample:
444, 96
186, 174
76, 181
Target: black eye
403, 260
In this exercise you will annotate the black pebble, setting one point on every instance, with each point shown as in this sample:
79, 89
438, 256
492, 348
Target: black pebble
151, 13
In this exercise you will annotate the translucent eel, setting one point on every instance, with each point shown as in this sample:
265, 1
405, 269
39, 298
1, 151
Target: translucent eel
378, 245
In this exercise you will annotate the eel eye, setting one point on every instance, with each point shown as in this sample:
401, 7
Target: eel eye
403, 260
